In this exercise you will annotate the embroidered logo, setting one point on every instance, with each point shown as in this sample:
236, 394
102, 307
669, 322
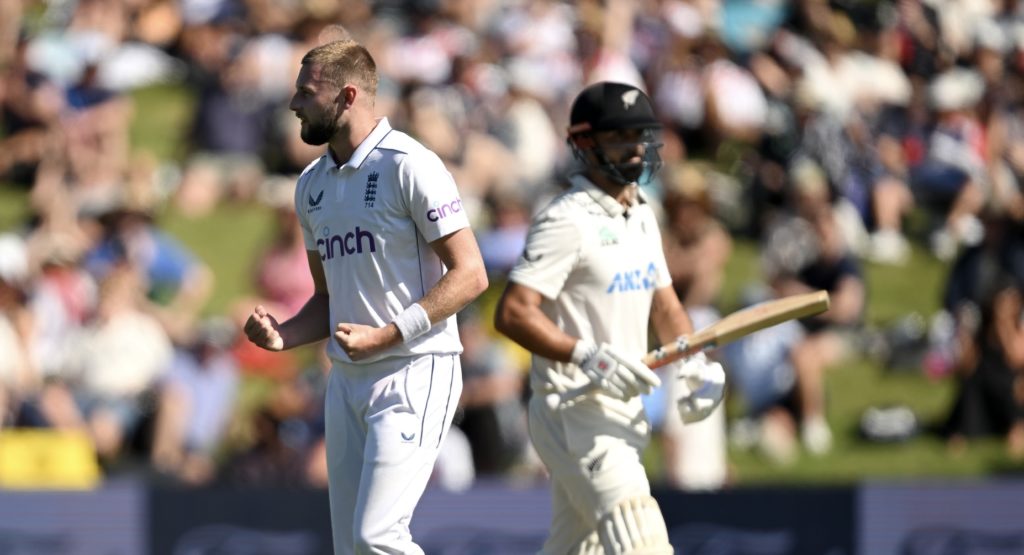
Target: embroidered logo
408, 438
607, 237
370, 194
629, 99
314, 203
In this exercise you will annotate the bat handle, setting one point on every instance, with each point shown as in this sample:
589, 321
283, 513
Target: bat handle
670, 352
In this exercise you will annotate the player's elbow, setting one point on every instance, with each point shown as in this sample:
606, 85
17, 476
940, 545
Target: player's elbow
478, 282
508, 317
468, 282
502, 320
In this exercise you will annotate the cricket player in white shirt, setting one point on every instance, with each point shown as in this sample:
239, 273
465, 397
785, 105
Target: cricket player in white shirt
589, 282
393, 259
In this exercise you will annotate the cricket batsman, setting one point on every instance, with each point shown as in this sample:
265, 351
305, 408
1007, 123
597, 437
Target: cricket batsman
591, 279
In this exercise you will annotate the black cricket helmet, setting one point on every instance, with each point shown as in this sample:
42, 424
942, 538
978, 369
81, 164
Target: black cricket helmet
608, 106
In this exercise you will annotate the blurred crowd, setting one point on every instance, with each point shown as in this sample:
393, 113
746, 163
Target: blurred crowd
833, 133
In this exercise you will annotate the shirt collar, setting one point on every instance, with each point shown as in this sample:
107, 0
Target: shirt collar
613, 207
369, 143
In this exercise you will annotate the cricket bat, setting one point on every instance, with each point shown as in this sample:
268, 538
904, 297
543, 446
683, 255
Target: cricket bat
732, 327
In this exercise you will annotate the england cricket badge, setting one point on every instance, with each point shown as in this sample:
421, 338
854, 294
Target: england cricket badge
370, 193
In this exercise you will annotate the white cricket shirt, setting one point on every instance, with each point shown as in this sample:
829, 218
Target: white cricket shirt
597, 267
372, 219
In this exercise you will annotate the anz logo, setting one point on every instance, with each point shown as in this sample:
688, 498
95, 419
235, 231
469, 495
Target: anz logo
634, 280
314, 203
356, 241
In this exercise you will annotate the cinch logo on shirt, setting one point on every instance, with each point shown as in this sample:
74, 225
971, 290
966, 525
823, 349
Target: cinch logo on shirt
353, 242
445, 210
634, 280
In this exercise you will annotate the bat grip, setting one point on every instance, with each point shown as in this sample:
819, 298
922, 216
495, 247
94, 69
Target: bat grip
669, 352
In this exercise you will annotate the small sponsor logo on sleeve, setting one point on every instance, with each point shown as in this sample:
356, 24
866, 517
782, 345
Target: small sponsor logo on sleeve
444, 210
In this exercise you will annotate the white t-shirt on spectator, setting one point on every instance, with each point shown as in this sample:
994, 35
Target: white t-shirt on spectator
122, 356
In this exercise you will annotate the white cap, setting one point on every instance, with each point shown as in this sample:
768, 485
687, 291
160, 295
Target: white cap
956, 89
13, 259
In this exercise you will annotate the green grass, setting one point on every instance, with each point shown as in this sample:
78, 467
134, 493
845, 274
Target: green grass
161, 120
895, 290
13, 206
228, 240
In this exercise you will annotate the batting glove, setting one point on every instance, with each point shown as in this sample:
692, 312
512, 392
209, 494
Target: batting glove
608, 368
700, 385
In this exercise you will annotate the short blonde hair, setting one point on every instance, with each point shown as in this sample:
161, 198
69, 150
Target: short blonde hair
344, 61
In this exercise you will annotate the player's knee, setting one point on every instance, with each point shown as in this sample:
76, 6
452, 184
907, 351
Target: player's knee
367, 543
634, 527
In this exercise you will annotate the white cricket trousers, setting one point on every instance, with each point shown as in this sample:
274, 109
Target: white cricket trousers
592, 452
385, 422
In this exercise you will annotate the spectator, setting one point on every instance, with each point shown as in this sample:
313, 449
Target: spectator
990, 372
115, 361
831, 337
843, 146
763, 378
176, 283
286, 444
195, 401
30, 108
697, 246
503, 241
63, 299
229, 126
18, 376
805, 252
977, 269
952, 171
96, 124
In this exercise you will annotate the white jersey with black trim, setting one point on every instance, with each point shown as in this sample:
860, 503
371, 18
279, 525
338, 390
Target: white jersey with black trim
371, 220
597, 266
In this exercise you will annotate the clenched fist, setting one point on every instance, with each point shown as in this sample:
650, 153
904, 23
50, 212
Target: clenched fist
263, 330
